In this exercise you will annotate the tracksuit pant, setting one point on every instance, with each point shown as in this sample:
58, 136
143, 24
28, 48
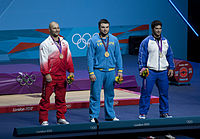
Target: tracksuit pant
58, 85
107, 80
160, 78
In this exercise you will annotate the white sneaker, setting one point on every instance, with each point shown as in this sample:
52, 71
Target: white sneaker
62, 121
92, 120
151, 137
142, 116
168, 136
115, 119
45, 123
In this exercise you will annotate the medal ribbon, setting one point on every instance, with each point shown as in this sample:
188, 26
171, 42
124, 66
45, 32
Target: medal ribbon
59, 46
106, 47
159, 46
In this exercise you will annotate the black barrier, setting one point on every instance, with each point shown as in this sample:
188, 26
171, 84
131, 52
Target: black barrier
131, 126
134, 44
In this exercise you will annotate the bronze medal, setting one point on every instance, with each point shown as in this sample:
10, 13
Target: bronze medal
106, 54
61, 56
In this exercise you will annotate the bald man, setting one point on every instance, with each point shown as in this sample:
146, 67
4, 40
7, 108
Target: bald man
55, 60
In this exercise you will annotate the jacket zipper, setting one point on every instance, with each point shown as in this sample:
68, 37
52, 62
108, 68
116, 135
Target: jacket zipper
51, 67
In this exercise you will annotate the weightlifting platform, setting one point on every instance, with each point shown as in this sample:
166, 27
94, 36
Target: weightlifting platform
74, 99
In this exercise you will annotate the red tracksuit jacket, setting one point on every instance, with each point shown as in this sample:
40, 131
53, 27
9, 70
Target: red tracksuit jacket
50, 63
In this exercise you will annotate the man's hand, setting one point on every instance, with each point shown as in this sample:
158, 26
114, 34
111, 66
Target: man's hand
119, 78
70, 78
120, 74
71, 74
92, 77
141, 71
170, 73
48, 78
144, 72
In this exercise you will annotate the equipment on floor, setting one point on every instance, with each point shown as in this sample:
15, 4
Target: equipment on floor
182, 73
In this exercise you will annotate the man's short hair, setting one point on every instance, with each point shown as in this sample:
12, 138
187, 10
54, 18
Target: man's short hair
103, 21
155, 23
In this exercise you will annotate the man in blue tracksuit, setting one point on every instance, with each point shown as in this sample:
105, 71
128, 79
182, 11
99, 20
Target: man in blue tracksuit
155, 54
103, 57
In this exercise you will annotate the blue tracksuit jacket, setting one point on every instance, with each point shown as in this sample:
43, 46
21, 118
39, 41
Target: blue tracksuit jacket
149, 55
96, 58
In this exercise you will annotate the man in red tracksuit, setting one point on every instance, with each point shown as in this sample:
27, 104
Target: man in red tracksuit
55, 60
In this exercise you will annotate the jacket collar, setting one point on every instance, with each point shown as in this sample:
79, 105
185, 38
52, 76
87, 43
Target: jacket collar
108, 35
51, 40
152, 38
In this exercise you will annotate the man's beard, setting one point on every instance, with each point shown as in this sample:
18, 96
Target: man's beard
55, 35
103, 34
156, 36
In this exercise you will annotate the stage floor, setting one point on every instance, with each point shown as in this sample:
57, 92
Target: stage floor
183, 102
74, 99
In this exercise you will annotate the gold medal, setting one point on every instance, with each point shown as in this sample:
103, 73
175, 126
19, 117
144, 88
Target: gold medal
61, 56
106, 47
106, 54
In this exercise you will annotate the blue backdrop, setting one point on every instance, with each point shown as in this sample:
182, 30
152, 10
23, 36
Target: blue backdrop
24, 44
37, 14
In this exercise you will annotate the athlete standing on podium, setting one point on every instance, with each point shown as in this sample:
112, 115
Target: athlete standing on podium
156, 55
55, 60
103, 57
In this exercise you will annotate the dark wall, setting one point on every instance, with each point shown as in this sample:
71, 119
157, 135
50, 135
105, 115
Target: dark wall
193, 53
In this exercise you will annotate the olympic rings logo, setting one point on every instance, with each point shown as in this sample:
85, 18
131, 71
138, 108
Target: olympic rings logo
77, 39
25, 79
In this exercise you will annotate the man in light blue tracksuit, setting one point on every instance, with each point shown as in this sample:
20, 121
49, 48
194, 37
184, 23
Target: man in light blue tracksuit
155, 54
104, 57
